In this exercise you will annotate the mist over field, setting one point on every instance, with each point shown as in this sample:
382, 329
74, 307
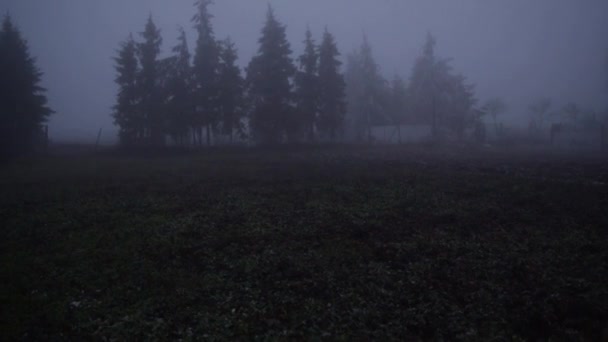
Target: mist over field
516, 50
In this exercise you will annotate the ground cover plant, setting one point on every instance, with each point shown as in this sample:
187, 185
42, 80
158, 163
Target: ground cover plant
333, 243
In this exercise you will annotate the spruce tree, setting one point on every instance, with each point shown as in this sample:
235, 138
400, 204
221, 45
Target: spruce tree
206, 67
398, 104
365, 92
231, 86
332, 106
398, 100
354, 98
149, 77
460, 100
23, 105
180, 104
427, 84
440, 97
307, 89
269, 83
126, 111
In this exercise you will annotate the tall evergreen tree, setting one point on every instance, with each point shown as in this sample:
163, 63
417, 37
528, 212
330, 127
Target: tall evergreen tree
126, 111
428, 83
459, 113
332, 106
495, 107
206, 68
180, 101
398, 107
365, 89
269, 83
231, 86
149, 76
23, 105
439, 96
307, 89
422, 85
354, 92
540, 110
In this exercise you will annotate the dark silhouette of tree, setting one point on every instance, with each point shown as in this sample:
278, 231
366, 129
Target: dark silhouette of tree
438, 96
231, 91
307, 89
398, 104
269, 83
149, 76
572, 112
540, 111
459, 112
23, 105
494, 108
332, 106
179, 92
364, 88
355, 116
425, 85
127, 110
206, 68
605, 112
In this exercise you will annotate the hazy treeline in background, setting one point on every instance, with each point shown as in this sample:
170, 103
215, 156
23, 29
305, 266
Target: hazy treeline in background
200, 95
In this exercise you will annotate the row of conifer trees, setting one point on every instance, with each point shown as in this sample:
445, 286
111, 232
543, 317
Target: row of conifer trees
193, 100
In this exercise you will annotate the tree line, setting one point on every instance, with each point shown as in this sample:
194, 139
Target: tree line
194, 99
279, 99
435, 95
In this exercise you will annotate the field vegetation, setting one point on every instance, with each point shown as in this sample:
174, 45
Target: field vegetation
335, 243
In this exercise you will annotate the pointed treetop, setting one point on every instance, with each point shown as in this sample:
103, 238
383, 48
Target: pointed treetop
203, 17
228, 51
308, 32
182, 36
150, 27
366, 48
7, 22
228, 41
151, 35
429, 45
182, 45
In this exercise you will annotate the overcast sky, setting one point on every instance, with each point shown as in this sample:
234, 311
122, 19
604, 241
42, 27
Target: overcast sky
516, 49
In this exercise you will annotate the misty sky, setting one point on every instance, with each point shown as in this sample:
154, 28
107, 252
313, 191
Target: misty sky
517, 49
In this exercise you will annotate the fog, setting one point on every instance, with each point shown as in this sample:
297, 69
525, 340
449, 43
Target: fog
518, 50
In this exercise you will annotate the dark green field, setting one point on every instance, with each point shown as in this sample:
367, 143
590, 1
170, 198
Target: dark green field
337, 244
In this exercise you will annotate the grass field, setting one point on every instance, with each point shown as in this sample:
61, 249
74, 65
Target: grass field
325, 243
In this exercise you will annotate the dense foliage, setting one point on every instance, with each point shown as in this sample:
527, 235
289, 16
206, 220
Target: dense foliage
206, 71
23, 104
269, 79
277, 101
438, 96
307, 90
231, 99
365, 88
332, 106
